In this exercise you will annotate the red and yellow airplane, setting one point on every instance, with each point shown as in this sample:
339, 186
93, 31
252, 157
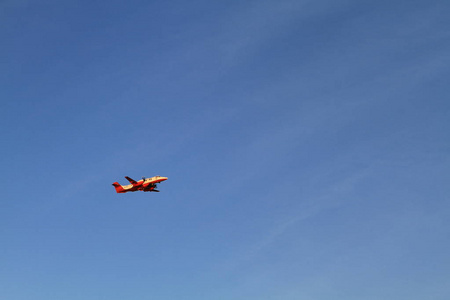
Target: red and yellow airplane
145, 184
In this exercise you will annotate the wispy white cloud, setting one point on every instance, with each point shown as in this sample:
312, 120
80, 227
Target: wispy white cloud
339, 192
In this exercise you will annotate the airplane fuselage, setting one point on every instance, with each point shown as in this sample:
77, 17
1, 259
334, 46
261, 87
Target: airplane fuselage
145, 184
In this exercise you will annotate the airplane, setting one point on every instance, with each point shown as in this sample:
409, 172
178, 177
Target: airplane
145, 184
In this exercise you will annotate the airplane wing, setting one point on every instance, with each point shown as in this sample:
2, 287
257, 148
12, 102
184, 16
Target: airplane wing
150, 187
132, 181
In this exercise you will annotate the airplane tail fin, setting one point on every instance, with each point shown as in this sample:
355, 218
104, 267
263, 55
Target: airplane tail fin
119, 188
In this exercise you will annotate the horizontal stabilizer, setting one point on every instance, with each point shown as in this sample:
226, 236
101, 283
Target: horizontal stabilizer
118, 187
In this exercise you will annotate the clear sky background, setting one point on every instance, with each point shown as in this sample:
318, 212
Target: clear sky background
306, 143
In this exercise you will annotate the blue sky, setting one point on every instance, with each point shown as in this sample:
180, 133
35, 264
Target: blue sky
306, 144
